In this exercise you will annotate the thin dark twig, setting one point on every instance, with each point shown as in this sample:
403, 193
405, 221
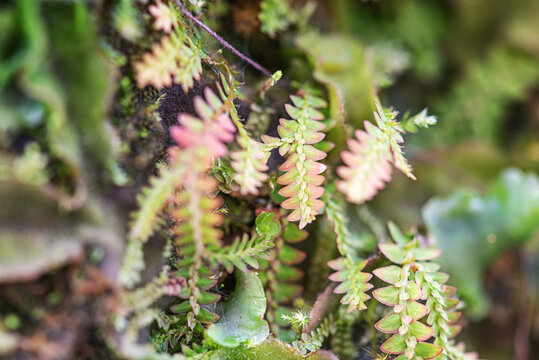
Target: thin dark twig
223, 41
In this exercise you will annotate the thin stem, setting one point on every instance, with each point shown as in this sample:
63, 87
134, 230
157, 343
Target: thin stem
223, 41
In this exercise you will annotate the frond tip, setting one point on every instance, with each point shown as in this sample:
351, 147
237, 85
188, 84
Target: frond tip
249, 164
367, 164
175, 59
302, 177
208, 133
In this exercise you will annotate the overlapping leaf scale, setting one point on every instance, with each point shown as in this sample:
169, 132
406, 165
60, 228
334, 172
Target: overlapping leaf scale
353, 282
170, 61
249, 164
302, 177
367, 163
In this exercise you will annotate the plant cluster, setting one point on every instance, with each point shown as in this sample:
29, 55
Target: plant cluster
187, 193
254, 183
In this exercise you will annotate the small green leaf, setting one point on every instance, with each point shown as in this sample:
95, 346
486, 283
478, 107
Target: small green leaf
388, 295
181, 308
427, 351
287, 292
266, 225
389, 274
394, 345
389, 324
423, 254
416, 310
288, 273
293, 234
393, 252
206, 317
288, 255
397, 235
439, 277
420, 331
207, 298
413, 290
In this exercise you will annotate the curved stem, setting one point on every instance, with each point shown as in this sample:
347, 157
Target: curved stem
223, 41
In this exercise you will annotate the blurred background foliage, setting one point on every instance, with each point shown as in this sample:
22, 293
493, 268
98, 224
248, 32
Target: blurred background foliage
77, 138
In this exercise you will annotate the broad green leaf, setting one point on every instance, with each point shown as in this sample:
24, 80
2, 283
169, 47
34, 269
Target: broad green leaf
271, 349
242, 319
472, 230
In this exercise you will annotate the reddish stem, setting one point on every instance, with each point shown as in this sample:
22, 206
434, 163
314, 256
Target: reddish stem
223, 41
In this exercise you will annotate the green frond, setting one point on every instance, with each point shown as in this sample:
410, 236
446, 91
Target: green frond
416, 278
353, 282
152, 201
142, 298
249, 164
172, 60
442, 304
189, 65
126, 21
302, 177
243, 252
335, 215
314, 340
392, 131
343, 342
196, 232
367, 164
274, 16
133, 264
279, 275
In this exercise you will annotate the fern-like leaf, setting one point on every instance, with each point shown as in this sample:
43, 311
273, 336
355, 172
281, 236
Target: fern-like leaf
302, 177
242, 253
158, 66
392, 132
367, 164
208, 133
273, 16
441, 304
353, 282
200, 140
408, 285
164, 16
175, 59
196, 232
249, 163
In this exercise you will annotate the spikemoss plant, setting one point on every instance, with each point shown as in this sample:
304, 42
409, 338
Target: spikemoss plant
215, 144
